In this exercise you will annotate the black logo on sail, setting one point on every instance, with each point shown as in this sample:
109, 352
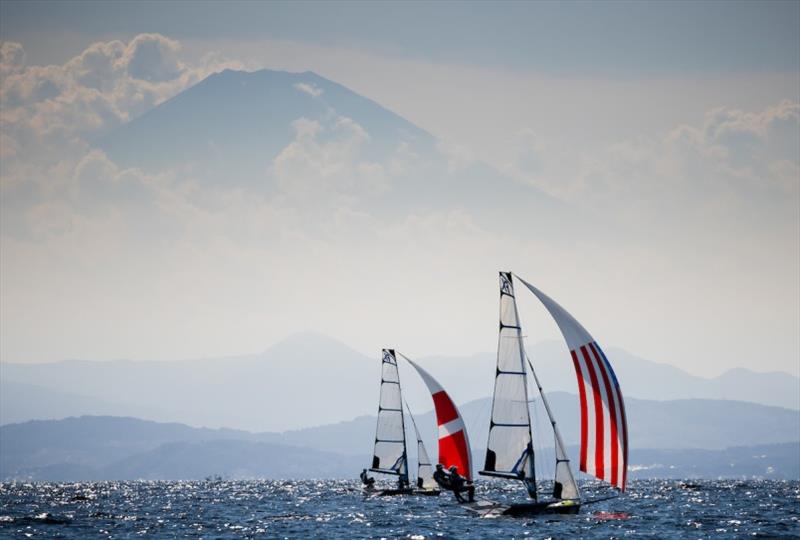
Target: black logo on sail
505, 284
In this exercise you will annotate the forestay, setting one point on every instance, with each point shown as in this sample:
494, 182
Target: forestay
604, 428
390, 441
509, 451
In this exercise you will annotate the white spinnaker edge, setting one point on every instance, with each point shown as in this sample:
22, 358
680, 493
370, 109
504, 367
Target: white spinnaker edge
509, 449
390, 439
424, 466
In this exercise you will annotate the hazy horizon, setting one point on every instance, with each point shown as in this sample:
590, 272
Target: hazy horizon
656, 162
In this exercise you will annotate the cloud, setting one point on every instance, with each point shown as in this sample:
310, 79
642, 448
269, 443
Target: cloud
310, 89
107, 84
12, 58
152, 57
324, 162
732, 162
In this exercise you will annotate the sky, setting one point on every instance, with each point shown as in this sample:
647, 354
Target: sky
676, 124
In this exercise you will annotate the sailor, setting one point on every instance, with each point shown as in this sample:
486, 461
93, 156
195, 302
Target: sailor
441, 477
459, 484
402, 482
368, 481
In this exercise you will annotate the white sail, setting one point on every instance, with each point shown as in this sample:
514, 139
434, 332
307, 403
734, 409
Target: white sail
390, 442
509, 451
564, 485
424, 467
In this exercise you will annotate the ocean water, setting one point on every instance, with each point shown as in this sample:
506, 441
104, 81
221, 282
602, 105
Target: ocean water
337, 509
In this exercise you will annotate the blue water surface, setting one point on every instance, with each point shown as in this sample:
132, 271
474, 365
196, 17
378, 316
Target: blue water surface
337, 509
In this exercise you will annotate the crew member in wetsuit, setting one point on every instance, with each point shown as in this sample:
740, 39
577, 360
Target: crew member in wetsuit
440, 477
402, 482
368, 481
459, 485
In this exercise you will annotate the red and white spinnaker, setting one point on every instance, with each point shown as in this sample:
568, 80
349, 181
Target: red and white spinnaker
604, 429
454, 446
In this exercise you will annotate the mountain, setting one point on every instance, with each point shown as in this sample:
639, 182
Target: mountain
679, 424
280, 389
247, 120
311, 380
275, 132
640, 378
112, 448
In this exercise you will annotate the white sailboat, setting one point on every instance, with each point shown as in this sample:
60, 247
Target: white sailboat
390, 455
509, 451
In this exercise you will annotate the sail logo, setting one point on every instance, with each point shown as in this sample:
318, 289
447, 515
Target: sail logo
388, 356
505, 285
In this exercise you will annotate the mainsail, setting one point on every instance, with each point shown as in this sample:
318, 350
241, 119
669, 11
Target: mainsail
604, 429
454, 446
424, 467
390, 441
509, 451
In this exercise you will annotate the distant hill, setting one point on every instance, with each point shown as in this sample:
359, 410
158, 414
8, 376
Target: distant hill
273, 391
110, 448
640, 378
679, 424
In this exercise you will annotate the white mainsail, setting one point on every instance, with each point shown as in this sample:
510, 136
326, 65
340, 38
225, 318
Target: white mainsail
509, 451
424, 467
390, 455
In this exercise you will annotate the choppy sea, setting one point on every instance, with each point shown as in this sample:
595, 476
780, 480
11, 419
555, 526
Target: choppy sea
337, 509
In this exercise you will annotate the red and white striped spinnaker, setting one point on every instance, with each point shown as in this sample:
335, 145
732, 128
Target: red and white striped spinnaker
454, 446
604, 429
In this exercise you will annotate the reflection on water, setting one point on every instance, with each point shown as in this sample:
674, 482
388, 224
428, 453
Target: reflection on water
337, 509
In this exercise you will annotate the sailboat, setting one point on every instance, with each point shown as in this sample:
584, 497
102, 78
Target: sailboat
390, 455
604, 432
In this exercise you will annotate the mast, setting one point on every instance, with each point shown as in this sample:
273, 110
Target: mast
509, 450
390, 455
564, 486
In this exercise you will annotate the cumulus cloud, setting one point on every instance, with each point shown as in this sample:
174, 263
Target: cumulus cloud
107, 84
310, 89
324, 161
729, 161
12, 58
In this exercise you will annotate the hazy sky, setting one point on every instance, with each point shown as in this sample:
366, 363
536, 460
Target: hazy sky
677, 122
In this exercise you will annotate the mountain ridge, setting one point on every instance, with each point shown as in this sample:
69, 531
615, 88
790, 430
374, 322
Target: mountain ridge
248, 391
130, 448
